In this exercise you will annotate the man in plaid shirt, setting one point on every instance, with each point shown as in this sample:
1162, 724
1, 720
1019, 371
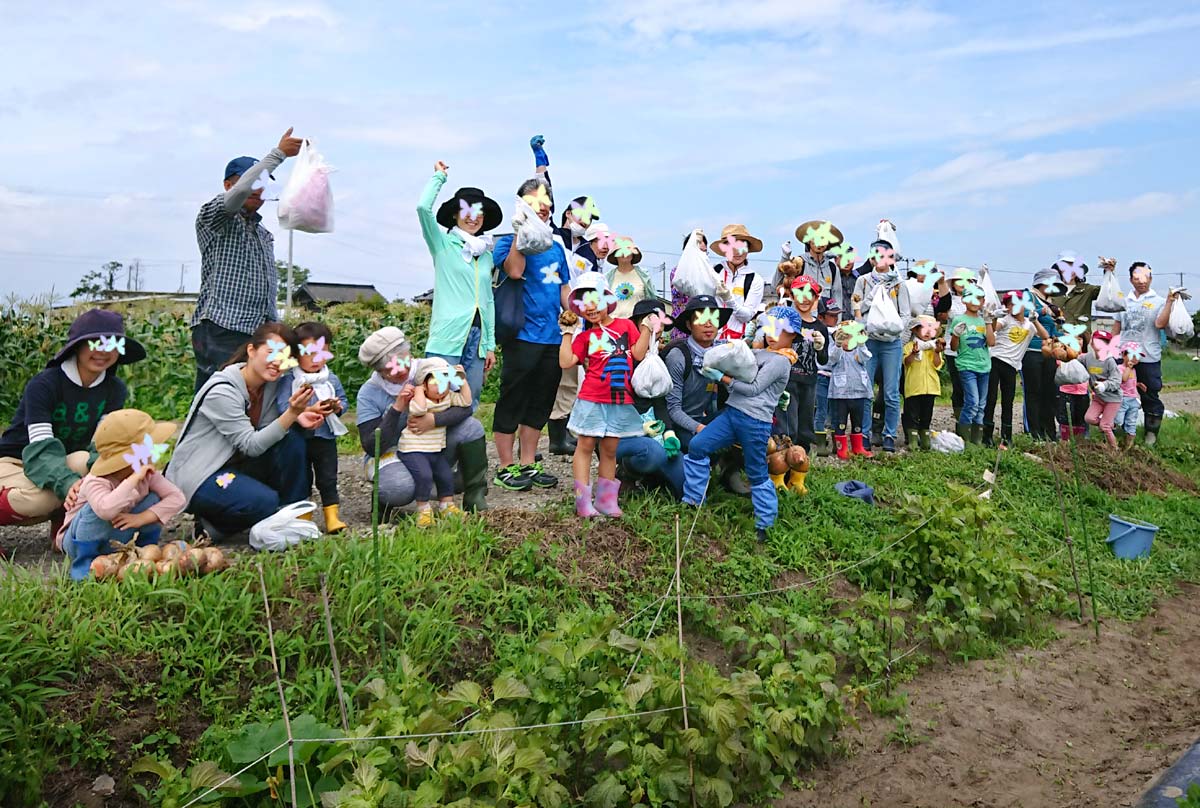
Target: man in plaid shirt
238, 279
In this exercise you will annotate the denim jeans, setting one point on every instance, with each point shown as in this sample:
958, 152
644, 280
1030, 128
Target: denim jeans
821, 421
646, 457
471, 363
975, 387
1127, 416
260, 486
888, 356
729, 427
89, 536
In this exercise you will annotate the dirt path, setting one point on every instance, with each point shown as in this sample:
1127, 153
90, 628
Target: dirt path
1073, 724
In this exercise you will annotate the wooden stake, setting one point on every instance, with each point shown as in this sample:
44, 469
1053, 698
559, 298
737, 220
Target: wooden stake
287, 722
679, 622
337, 668
1087, 544
375, 542
1062, 504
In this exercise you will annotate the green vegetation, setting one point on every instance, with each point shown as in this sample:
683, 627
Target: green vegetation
525, 619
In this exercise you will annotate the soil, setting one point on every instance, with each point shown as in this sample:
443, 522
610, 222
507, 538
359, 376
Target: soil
1077, 723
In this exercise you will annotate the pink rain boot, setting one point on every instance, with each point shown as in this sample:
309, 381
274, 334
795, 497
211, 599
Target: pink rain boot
606, 497
583, 501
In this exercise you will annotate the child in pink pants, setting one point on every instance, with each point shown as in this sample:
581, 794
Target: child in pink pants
1105, 381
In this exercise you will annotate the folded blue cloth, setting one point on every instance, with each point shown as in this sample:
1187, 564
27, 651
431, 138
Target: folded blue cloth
856, 489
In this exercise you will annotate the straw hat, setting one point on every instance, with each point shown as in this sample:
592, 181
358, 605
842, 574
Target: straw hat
739, 232
802, 232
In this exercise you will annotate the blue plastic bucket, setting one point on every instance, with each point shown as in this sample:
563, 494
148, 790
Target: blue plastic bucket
1130, 538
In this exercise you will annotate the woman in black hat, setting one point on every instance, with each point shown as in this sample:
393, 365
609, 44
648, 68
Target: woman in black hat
462, 328
44, 451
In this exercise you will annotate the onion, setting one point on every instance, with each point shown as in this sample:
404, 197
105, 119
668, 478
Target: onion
151, 552
104, 566
165, 567
797, 458
214, 560
186, 564
141, 566
777, 463
198, 559
171, 551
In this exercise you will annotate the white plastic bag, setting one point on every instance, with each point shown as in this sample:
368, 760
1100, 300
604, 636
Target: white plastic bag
886, 231
693, 275
1180, 324
946, 442
533, 236
306, 203
883, 321
734, 359
651, 379
1073, 372
991, 300
1111, 298
284, 528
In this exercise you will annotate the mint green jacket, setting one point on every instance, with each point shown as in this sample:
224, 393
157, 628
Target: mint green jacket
460, 287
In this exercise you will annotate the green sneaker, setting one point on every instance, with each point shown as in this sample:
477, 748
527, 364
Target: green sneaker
513, 478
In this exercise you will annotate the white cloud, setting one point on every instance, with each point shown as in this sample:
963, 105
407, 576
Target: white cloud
1088, 216
1068, 38
257, 17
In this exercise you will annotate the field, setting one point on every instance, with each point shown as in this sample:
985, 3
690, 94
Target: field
792, 656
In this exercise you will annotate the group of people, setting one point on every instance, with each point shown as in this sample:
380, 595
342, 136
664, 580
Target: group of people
841, 349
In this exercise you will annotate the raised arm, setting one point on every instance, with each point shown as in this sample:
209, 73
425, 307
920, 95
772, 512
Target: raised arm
430, 230
236, 196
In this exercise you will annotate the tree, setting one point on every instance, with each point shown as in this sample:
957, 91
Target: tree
99, 282
299, 278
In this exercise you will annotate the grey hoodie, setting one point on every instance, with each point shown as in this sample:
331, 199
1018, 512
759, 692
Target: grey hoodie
221, 428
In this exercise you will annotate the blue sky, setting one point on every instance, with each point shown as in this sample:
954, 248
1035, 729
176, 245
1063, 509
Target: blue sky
999, 133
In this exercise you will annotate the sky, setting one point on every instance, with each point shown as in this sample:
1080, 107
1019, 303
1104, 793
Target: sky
988, 132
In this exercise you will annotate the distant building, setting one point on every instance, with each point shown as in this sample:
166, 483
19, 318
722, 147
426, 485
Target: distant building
322, 295
424, 297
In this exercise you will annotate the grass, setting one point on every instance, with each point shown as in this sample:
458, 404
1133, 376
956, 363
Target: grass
96, 674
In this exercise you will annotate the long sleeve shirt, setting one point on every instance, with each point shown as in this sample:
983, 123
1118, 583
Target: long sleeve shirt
848, 377
110, 499
692, 397
461, 286
238, 279
747, 290
760, 398
1105, 375
864, 293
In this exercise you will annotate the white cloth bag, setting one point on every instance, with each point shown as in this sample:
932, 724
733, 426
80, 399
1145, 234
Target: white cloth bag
735, 359
284, 528
306, 203
1111, 298
533, 236
651, 379
693, 274
883, 321
1180, 324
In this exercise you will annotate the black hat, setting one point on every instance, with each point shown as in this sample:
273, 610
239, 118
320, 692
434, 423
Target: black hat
97, 323
828, 305
447, 215
684, 321
645, 307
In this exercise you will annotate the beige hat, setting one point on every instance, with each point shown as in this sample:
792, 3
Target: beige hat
121, 430
382, 345
739, 232
804, 231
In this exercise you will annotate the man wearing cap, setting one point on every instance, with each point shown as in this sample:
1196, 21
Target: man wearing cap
1145, 318
693, 400
238, 280
886, 348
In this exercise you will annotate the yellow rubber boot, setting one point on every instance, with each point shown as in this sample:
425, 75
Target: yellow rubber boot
779, 481
796, 482
333, 522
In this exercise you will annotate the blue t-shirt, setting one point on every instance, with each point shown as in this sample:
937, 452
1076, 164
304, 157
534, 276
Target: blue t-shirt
545, 275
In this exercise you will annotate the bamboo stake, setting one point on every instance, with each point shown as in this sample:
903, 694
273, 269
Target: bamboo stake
337, 668
1062, 505
375, 542
1087, 544
287, 721
679, 622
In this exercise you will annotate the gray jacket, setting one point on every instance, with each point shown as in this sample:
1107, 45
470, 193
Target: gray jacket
1105, 376
760, 398
864, 292
689, 398
220, 428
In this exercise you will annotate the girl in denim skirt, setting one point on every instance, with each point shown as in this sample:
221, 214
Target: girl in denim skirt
604, 412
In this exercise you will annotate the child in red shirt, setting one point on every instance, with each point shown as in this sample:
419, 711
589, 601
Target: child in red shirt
604, 412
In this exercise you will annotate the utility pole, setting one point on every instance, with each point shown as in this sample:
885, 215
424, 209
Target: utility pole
182, 272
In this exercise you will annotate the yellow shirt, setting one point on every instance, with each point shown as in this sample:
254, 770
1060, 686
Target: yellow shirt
921, 375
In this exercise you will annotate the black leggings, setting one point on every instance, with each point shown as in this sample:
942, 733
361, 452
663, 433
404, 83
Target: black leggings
799, 415
1071, 409
429, 469
1002, 384
848, 409
1041, 394
918, 411
956, 388
322, 456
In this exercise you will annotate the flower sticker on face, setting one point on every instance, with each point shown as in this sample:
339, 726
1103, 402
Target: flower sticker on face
821, 235
973, 294
398, 364
1021, 302
772, 326
883, 257
1073, 332
281, 354
1108, 350
472, 213
1141, 275
316, 350
708, 317
550, 274
537, 198
109, 343
586, 212
857, 336
144, 453
605, 241
803, 294
625, 248
446, 379
731, 246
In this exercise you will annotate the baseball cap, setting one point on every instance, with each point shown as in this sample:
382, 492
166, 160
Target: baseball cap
239, 166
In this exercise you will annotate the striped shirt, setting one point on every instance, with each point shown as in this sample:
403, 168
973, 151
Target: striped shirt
431, 440
238, 279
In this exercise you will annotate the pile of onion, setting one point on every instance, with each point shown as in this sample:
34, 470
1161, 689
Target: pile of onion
174, 558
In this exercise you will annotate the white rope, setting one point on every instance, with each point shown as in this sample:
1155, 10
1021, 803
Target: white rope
235, 775
488, 730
